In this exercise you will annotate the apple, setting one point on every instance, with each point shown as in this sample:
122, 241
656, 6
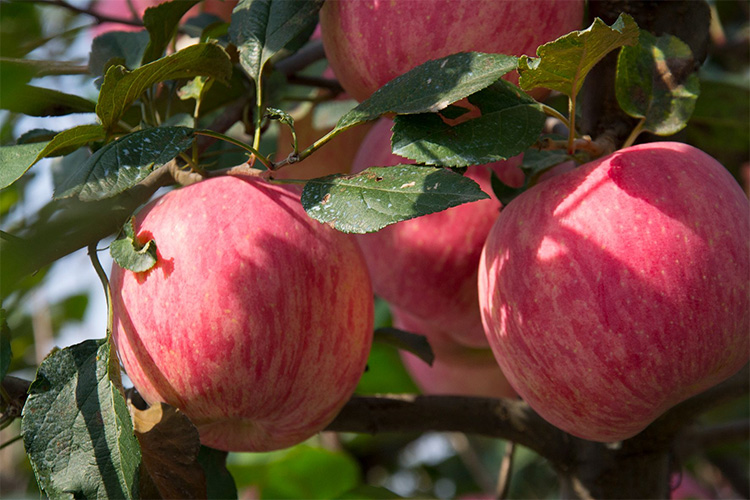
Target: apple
256, 321
613, 292
428, 265
122, 9
368, 43
456, 369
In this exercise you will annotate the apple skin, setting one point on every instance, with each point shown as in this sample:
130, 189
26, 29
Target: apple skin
256, 321
368, 43
428, 265
456, 370
613, 292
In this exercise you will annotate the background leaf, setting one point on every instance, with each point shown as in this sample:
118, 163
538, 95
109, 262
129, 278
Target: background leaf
16, 160
161, 22
77, 429
123, 163
379, 196
72, 139
432, 86
127, 47
39, 101
5, 351
511, 121
219, 482
121, 87
563, 64
412, 342
657, 81
262, 28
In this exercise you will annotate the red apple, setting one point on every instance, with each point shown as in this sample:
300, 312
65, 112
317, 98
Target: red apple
456, 370
256, 321
613, 292
428, 265
368, 43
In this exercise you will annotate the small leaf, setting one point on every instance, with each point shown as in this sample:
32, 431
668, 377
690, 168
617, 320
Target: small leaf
220, 484
16, 160
123, 163
121, 87
261, 28
194, 89
563, 64
510, 122
126, 46
161, 22
169, 450
379, 196
76, 427
406, 341
5, 353
72, 139
657, 81
37, 101
432, 86
280, 115
130, 254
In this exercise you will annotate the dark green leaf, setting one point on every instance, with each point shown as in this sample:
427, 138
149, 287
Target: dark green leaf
504, 193
123, 163
563, 64
121, 87
77, 429
5, 353
262, 28
126, 46
162, 21
20, 27
432, 86
219, 482
130, 254
72, 139
379, 196
36, 135
510, 122
37, 101
537, 161
657, 81
16, 160
411, 342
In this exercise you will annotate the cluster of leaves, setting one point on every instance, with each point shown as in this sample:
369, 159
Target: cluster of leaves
153, 109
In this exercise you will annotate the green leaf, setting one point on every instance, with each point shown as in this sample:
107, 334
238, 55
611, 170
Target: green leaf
38, 101
5, 352
511, 121
72, 139
379, 196
563, 64
657, 81
125, 46
432, 86
16, 160
504, 193
129, 253
262, 28
536, 161
219, 482
161, 22
77, 429
123, 163
406, 341
121, 87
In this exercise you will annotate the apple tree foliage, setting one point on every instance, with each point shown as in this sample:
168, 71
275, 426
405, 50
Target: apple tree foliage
155, 115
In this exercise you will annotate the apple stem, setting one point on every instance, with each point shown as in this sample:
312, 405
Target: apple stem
634, 134
252, 150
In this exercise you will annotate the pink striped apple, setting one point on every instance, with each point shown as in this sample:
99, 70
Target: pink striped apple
456, 370
256, 321
613, 292
428, 265
370, 42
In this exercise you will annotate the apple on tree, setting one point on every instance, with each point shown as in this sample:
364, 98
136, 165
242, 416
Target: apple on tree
256, 321
456, 369
428, 265
613, 292
368, 43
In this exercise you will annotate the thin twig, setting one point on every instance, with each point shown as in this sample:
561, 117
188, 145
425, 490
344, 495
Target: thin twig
504, 475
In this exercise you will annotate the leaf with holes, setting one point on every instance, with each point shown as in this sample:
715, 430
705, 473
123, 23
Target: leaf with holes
379, 196
129, 253
657, 82
123, 163
76, 427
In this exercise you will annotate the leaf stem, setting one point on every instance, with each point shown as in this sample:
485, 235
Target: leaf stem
634, 134
312, 148
252, 150
258, 113
10, 441
571, 123
550, 111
